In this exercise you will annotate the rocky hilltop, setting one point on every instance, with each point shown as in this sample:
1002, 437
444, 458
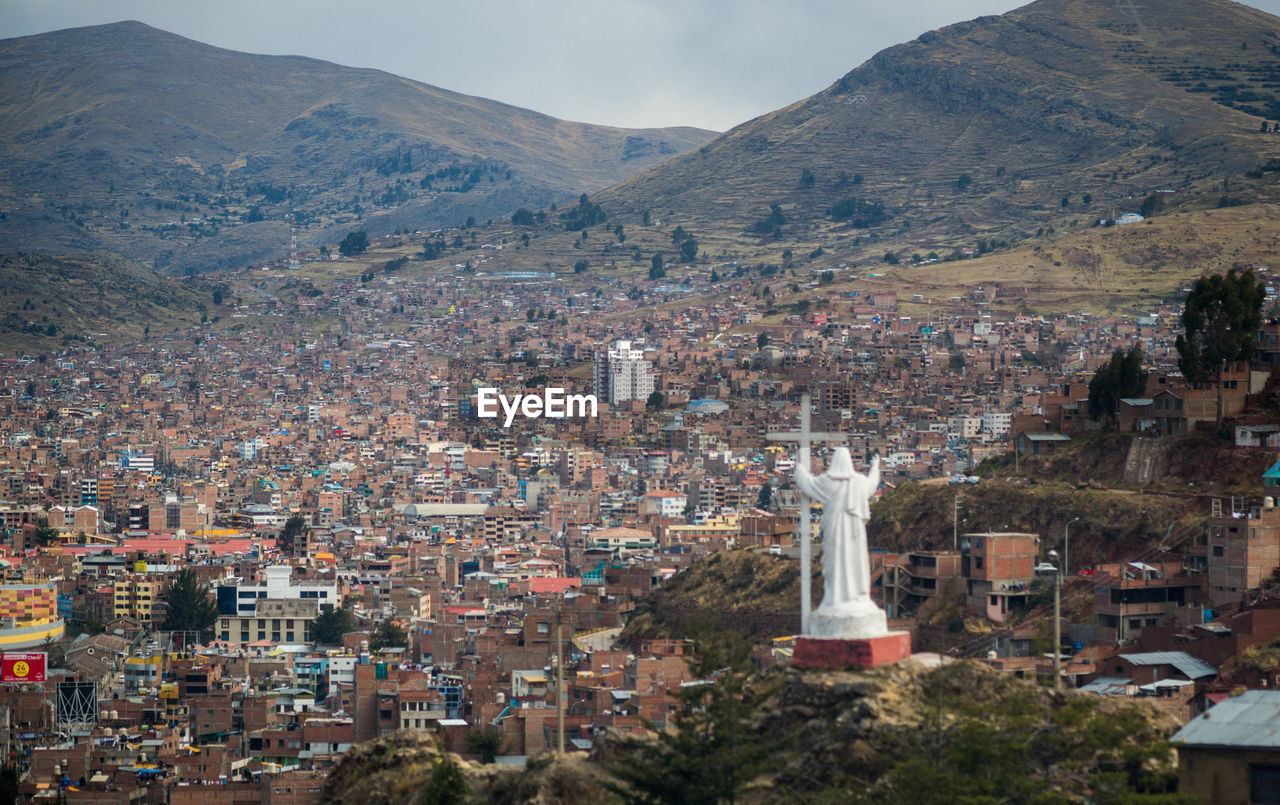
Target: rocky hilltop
901, 734
48, 301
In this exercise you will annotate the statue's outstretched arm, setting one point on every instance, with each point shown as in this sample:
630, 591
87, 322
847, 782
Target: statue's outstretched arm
811, 485
873, 476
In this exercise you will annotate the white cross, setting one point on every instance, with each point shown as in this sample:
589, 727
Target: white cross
805, 437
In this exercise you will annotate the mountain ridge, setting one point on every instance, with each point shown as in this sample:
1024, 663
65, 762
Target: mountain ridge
101, 123
995, 127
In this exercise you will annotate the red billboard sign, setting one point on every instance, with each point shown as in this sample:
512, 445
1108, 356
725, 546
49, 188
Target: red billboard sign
16, 667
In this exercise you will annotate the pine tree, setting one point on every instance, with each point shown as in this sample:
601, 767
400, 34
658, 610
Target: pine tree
190, 607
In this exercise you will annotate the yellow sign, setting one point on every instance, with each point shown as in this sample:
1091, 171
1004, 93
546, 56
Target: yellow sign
139, 566
20, 668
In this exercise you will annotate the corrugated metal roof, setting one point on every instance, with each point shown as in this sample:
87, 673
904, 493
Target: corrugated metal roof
1107, 686
1250, 720
1191, 667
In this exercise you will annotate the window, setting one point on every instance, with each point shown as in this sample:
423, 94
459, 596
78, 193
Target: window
1264, 784
977, 562
544, 627
1217, 550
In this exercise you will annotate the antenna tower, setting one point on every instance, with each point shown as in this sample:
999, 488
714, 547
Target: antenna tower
294, 265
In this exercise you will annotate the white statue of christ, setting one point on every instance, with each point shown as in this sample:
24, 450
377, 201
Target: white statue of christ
847, 609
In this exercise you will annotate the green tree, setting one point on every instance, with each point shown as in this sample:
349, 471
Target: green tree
293, 528
580, 266
859, 212
762, 340
771, 222
1220, 321
355, 243
688, 250
765, 499
713, 751
806, 179
655, 401
433, 248
10, 778
1151, 205
190, 607
447, 786
388, 635
1122, 377
657, 267
45, 533
485, 742
584, 215
331, 624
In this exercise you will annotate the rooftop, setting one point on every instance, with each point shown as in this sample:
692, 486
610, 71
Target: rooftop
1250, 720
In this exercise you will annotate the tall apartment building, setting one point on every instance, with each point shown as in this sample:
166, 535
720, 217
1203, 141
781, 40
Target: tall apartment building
134, 596
622, 373
997, 568
1242, 551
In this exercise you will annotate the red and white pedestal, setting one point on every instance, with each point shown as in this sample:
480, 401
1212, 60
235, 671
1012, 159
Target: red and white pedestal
850, 654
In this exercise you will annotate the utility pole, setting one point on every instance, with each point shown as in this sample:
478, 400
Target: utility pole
1066, 547
955, 522
1057, 625
1057, 637
559, 682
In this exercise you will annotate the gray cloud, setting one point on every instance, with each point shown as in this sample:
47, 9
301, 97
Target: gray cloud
713, 63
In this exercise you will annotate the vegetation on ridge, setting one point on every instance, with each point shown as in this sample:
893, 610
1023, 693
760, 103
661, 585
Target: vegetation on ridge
895, 734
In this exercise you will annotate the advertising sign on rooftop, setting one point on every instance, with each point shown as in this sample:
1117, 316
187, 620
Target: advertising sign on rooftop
17, 667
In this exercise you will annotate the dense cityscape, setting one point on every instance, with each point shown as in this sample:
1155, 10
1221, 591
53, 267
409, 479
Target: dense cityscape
919, 441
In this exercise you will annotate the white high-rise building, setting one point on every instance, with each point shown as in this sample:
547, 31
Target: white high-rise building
622, 373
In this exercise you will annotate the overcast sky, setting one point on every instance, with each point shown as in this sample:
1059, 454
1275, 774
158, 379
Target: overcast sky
708, 63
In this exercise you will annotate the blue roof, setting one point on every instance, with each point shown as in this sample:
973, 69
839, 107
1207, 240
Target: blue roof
1250, 720
1274, 472
1191, 667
